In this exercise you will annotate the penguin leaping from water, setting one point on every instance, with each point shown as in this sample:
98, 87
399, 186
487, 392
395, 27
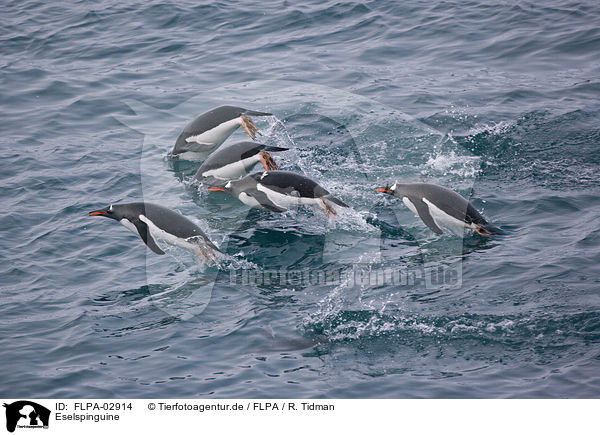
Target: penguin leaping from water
439, 208
279, 191
234, 161
152, 222
210, 129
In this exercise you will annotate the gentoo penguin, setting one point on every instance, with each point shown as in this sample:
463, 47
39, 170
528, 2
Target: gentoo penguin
210, 129
153, 222
440, 207
279, 190
236, 160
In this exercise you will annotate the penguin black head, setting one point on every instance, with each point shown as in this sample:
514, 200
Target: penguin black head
235, 187
224, 187
112, 211
387, 189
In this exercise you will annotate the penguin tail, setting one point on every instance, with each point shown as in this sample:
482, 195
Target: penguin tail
268, 162
213, 248
274, 149
207, 245
336, 201
488, 230
255, 113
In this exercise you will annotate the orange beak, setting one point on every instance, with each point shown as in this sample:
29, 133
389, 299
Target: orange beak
97, 213
216, 189
383, 189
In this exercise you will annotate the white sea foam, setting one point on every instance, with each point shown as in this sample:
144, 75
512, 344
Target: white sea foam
452, 163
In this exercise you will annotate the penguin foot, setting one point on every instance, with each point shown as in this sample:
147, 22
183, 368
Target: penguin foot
206, 254
268, 162
249, 126
200, 253
482, 231
329, 210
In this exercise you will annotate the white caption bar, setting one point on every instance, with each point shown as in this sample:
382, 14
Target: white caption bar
48, 416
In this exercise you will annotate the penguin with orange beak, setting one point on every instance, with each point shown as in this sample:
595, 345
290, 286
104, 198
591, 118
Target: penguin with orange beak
156, 223
210, 129
236, 160
439, 207
279, 191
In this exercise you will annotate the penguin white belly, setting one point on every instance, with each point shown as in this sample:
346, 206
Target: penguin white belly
161, 235
194, 156
234, 169
287, 201
444, 220
218, 134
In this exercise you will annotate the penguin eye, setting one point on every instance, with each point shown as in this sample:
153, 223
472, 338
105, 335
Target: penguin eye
110, 209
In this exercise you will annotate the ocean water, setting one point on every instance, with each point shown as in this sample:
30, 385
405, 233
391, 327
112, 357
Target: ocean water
496, 100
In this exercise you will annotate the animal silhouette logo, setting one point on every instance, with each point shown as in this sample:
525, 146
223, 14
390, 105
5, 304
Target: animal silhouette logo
25, 413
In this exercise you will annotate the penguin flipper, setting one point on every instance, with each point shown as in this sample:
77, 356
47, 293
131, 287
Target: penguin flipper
425, 216
144, 233
265, 202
